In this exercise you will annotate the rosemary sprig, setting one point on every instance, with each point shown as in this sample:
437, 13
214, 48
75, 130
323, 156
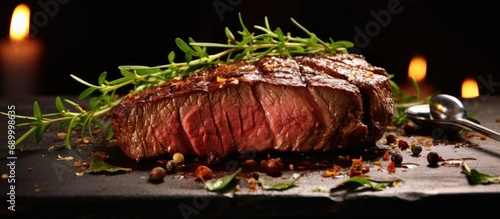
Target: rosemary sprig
251, 46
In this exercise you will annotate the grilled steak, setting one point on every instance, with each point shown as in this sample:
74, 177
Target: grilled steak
298, 104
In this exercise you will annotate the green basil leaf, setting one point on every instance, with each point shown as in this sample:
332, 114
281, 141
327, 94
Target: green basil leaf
476, 177
98, 165
356, 184
276, 183
222, 182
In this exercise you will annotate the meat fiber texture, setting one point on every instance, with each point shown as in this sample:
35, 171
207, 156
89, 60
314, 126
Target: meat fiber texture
298, 104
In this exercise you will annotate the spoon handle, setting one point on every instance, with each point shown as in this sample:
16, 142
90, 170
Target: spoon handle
467, 124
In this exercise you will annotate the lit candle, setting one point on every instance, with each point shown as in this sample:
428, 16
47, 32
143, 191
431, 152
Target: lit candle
418, 71
470, 89
470, 94
20, 56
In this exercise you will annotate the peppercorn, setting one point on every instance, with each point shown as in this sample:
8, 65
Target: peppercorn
178, 158
416, 149
403, 145
397, 158
409, 129
433, 158
157, 174
391, 138
171, 166
274, 166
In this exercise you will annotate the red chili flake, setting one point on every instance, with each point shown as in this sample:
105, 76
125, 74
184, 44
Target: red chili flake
101, 155
79, 163
358, 168
391, 167
30, 169
387, 156
469, 134
203, 173
252, 184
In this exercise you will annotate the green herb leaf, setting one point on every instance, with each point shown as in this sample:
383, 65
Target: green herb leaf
171, 57
37, 112
26, 134
356, 184
229, 35
87, 92
402, 101
476, 177
98, 165
147, 70
126, 73
67, 139
222, 182
64, 123
40, 129
59, 105
102, 78
183, 45
276, 183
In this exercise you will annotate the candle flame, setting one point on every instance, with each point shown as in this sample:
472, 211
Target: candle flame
19, 26
418, 67
470, 89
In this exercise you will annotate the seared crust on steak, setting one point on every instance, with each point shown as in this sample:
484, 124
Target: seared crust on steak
298, 104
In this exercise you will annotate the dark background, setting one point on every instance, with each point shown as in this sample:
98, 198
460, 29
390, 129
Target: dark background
85, 38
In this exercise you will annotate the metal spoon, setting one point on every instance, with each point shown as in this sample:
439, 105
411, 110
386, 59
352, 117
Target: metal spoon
448, 108
421, 116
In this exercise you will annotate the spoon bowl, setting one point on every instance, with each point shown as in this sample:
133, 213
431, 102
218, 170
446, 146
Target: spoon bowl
420, 115
443, 106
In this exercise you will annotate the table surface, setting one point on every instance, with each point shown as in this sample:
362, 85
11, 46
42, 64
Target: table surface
44, 185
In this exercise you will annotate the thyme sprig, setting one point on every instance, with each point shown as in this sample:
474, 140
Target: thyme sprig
250, 46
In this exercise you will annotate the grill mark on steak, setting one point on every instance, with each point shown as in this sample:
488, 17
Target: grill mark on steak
219, 114
179, 140
249, 131
199, 125
282, 98
357, 61
263, 132
372, 87
299, 104
346, 95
